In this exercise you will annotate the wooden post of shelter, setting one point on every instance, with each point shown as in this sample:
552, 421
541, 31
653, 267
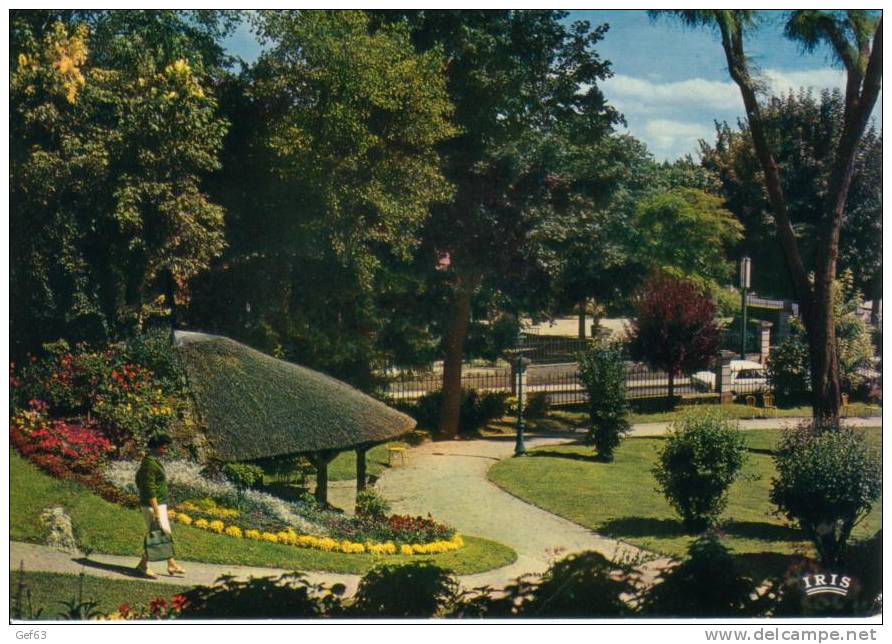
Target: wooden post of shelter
320, 462
361, 467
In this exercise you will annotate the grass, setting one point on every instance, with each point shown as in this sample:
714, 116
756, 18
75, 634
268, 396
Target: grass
49, 589
620, 499
343, 467
736, 410
112, 529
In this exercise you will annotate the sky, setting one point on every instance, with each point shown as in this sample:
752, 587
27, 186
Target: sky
671, 82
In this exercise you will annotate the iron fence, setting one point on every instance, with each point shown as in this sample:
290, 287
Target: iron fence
560, 383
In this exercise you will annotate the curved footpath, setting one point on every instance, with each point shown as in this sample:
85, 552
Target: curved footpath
447, 480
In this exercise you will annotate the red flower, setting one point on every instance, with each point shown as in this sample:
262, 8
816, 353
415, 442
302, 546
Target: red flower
157, 605
124, 610
178, 602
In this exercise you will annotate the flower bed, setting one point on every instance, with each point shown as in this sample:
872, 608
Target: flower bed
327, 544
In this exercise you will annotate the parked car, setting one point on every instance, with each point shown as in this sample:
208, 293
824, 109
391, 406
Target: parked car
747, 377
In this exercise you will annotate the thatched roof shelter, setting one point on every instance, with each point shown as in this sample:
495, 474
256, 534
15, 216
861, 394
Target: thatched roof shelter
256, 406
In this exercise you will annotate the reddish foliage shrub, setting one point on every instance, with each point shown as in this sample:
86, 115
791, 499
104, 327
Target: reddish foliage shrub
674, 328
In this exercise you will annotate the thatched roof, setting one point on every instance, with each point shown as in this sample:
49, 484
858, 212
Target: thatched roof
256, 406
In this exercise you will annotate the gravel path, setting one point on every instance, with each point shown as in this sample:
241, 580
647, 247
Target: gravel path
448, 480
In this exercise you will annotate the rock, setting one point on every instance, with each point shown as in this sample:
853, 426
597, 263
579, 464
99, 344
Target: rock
61, 534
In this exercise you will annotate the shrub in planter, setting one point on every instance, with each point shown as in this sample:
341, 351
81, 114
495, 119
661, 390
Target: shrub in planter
706, 584
827, 480
602, 371
702, 457
371, 504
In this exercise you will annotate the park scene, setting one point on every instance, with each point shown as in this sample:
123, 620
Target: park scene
445, 314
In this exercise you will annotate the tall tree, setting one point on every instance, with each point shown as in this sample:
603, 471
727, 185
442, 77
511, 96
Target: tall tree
517, 78
109, 144
855, 38
804, 129
331, 171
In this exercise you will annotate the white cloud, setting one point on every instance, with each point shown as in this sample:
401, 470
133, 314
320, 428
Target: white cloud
668, 138
655, 95
670, 117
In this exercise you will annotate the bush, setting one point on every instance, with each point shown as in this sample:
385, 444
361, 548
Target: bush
410, 590
603, 373
827, 480
788, 371
243, 475
706, 584
537, 405
371, 504
703, 455
474, 413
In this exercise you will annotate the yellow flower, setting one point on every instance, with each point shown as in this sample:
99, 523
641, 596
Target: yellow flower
252, 534
202, 523
417, 548
405, 550
185, 519
269, 536
216, 526
171, 514
285, 537
234, 531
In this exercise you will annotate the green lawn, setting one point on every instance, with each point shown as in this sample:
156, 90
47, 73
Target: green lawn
112, 529
735, 410
620, 499
48, 589
343, 467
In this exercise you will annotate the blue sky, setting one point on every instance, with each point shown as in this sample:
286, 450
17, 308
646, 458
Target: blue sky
671, 82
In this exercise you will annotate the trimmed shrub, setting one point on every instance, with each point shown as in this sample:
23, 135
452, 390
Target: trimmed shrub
827, 480
703, 455
243, 475
603, 372
371, 504
788, 371
475, 412
537, 405
706, 584
410, 590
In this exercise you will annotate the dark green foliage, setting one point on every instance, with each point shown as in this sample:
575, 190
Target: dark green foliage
537, 405
827, 480
788, 371
702, 457
153, 350
371, 504
603, 372
706, 584
288, 596
475, 412
581, 585
411, 590
243, 475
242, 394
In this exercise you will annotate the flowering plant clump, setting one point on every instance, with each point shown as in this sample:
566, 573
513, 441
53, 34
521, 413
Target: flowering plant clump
130, 391
327, 544
58, 445
158, 608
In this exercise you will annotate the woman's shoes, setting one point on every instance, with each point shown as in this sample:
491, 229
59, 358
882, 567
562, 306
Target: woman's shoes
175, 570
145, 572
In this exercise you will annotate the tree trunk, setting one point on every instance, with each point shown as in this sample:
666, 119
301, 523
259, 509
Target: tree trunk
671, 389
823, 354
582, 304
458, 318
875, 300
360, 469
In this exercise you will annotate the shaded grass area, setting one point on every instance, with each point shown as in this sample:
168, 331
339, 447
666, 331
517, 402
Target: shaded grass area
621, 499
343, 467
112, 529
48, 589
735, 410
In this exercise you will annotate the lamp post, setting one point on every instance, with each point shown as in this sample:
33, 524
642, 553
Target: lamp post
745, 265
519, 367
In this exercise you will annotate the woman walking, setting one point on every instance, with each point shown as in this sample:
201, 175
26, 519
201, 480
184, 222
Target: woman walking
151, 481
